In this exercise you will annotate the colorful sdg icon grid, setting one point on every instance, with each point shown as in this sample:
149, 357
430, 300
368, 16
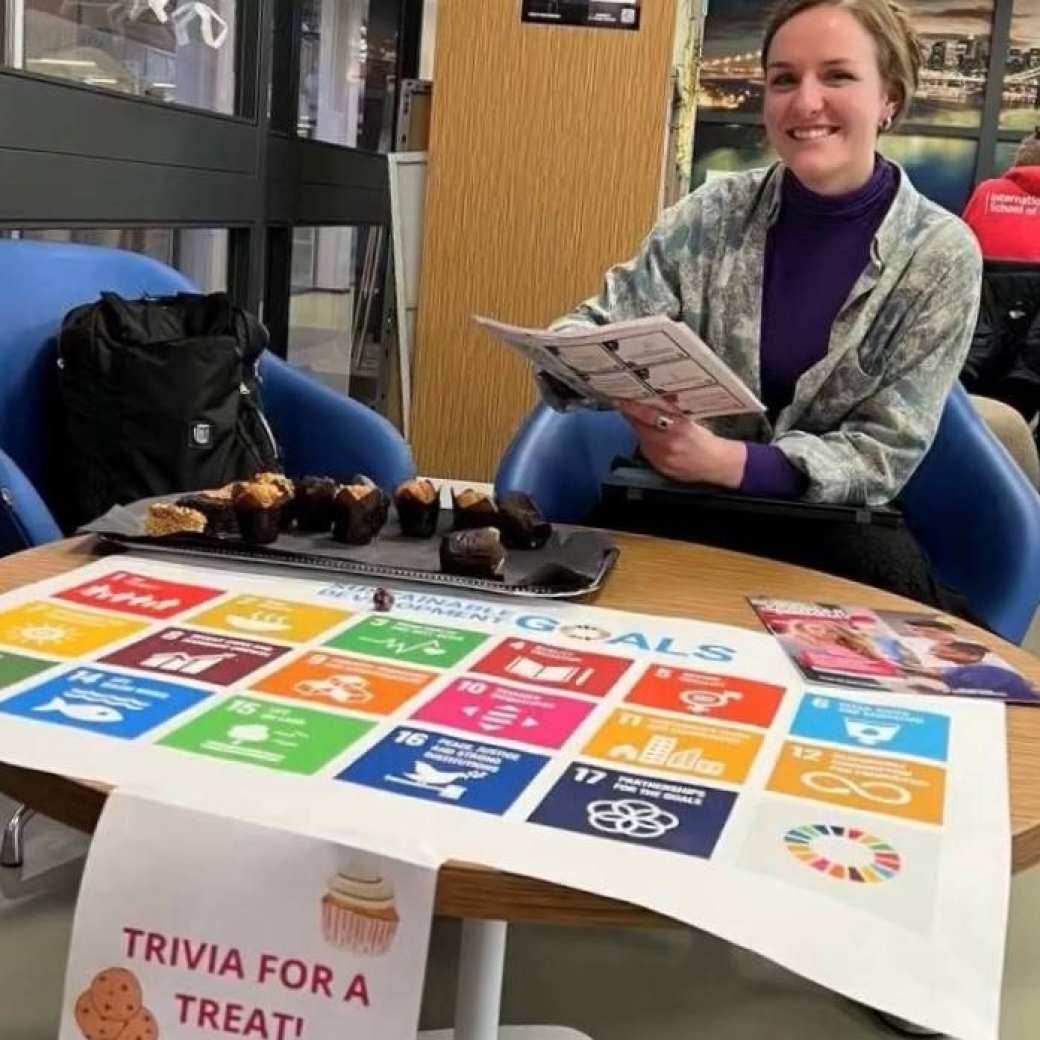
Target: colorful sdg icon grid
138, 606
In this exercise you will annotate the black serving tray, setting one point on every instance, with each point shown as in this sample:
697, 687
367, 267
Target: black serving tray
574, 562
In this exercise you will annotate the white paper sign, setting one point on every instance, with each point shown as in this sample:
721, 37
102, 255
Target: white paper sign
859, 838
195, 925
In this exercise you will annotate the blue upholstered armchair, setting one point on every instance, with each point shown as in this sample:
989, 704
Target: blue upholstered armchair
969, 505
318, 430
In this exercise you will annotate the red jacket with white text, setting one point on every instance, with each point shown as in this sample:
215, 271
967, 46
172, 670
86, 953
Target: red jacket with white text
1004, 213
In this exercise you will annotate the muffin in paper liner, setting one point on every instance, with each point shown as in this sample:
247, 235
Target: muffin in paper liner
358, 912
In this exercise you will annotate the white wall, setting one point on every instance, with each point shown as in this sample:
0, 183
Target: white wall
426, 42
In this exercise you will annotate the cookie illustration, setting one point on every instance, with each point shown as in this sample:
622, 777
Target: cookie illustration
141, 1027
90, 1022
116, 993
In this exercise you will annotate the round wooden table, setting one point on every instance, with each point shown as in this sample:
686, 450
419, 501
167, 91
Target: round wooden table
653, 576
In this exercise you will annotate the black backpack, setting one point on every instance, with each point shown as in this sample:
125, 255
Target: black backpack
160, 395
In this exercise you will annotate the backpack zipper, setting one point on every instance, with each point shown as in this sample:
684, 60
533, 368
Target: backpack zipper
245, 392
16, 521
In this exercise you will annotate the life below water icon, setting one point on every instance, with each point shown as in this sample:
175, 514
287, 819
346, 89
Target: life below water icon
99, 713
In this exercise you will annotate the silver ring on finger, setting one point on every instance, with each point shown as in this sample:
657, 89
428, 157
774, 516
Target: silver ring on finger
664, 422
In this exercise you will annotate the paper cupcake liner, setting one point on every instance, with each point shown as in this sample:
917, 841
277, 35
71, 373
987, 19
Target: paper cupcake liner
356, 932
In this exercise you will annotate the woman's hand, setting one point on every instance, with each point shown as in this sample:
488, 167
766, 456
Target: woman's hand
681, 449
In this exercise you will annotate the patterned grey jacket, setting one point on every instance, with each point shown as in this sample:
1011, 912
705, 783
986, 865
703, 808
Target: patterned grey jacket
865, 414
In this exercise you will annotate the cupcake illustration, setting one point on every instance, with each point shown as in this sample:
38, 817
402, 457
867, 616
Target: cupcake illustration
357, 910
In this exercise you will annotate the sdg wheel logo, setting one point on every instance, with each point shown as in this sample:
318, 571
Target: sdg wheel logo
631, 818
845, 853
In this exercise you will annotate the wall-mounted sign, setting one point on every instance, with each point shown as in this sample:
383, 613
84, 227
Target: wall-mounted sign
595, 14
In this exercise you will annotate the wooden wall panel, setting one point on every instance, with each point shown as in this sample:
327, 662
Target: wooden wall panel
546, 153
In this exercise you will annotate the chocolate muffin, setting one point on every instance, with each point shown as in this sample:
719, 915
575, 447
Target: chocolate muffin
287, 488
359, 512
215, 505
472, 509
521, 523
418, 508
313, 503
476, 553
258, 509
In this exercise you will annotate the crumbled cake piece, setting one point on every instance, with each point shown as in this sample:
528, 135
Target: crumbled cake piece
165, 518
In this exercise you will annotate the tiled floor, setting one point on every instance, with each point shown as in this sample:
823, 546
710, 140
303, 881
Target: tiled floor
613, 985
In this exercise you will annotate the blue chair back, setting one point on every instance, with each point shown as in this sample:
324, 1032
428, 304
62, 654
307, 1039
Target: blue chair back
561, 459
323, 433
977, 517
969, 505
319, 430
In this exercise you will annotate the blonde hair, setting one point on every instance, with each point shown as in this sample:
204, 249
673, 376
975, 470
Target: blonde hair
898, 48
1029, 150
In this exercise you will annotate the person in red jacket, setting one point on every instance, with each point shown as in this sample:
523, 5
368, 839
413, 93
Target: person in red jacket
1004, 212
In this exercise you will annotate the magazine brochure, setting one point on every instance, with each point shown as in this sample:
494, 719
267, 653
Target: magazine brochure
653, 360
902, 652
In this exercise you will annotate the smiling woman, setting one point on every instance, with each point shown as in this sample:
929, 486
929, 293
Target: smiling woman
842, 297
836, 76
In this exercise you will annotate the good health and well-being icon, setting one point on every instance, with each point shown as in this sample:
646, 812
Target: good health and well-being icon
408, 641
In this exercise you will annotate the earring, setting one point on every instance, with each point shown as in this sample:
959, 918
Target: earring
885, 125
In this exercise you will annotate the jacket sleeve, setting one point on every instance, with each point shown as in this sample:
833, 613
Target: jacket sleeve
649, 283
873, 453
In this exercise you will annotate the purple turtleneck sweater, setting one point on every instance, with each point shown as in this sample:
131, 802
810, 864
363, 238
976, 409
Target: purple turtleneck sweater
815, 252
